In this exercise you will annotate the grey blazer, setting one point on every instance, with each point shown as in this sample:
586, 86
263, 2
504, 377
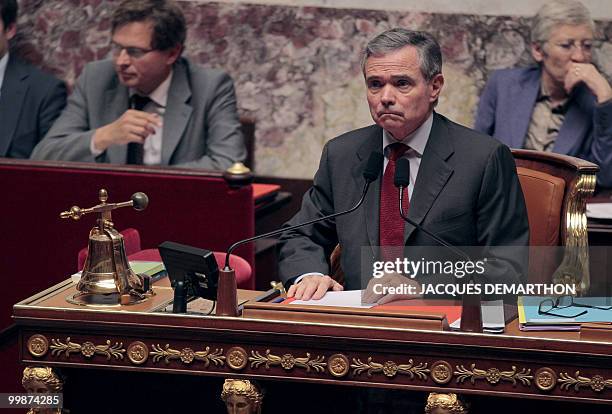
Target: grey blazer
467, 192
30, 101
201, 127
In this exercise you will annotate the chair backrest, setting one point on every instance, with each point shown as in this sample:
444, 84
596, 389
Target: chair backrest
556, 188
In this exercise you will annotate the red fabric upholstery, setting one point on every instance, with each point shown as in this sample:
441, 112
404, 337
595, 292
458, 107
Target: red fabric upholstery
241, 266
131, 240
544, 199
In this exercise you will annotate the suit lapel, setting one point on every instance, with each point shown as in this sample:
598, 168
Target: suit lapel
116, 102
523, 98
433, 175
373, 142
575, 124
14, 89
177, 113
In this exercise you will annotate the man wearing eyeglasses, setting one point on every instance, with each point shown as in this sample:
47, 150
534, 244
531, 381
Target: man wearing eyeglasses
148, 105
561, 105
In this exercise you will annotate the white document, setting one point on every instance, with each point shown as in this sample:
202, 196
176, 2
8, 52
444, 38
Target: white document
344, 298
599, 210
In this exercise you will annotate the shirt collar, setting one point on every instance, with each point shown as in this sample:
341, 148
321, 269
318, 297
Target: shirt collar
160, 94
3, 64
417, 140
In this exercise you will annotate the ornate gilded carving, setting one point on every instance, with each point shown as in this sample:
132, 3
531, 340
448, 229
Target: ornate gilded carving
493, 375
441, 372
241, 396
390, 368
596, 382
448, 403
287, 361
338, 365
138, 352
188, 355
42, 380
38, 345
87, 349
574, 268
545, 379
236, 358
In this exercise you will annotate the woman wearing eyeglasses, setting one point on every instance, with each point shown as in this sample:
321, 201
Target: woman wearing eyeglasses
561, 105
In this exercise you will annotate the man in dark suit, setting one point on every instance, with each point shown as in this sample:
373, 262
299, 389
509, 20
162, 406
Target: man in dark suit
30, 100
463, 184
148, 105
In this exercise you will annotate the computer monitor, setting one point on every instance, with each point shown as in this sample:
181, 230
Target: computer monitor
196, 268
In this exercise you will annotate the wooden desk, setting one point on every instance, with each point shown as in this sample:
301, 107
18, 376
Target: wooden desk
516, 364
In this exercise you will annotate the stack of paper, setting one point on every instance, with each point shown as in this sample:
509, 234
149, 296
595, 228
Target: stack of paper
530, 319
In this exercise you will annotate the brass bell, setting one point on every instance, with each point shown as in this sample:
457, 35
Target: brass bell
107, 278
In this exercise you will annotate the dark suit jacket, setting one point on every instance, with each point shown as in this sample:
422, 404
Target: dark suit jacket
467, 192
507, 103
200, 127
29, 103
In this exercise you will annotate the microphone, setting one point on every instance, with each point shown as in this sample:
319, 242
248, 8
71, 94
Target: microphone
471, 312
402, 180
371, 172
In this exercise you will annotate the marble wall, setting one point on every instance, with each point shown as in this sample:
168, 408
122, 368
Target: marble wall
296, 69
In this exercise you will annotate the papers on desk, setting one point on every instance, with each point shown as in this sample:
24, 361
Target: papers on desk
344, 299
599, 211
530, 318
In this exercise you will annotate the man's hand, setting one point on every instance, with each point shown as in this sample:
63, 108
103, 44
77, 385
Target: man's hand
313, 287
390, 280
132, 126
588, 73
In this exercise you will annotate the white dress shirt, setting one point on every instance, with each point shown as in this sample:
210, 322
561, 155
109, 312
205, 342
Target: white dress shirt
3, 64
157, 105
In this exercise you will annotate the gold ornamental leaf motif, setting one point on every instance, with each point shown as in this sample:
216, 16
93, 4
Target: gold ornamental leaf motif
287, 361
390, 368
187, 355
38, 345
493, 375
597, 383
87, 349
266, 360
57, 347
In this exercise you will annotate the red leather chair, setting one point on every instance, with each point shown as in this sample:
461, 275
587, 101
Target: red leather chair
131, 239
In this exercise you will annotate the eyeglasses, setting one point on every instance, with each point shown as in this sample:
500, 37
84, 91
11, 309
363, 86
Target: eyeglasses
133, 52
571, 45
547, 306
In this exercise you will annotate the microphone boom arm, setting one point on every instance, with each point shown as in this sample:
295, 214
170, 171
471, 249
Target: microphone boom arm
297, 226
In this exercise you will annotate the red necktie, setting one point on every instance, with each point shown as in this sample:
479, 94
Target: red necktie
391, 223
